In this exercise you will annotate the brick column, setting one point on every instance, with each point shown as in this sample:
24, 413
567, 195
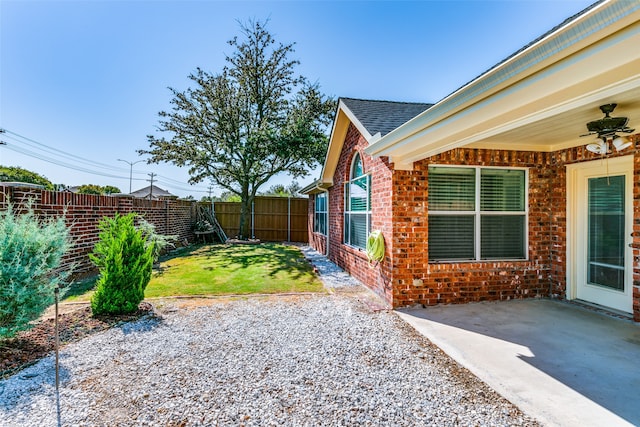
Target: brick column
410, 255
636, 230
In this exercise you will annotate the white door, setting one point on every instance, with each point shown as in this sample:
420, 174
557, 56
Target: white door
603, 223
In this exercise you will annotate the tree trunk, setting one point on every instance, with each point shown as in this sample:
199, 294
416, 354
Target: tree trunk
245, 206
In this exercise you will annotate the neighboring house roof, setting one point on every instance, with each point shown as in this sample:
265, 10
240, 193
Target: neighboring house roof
21, 184
538, 99
157, 193
383, 116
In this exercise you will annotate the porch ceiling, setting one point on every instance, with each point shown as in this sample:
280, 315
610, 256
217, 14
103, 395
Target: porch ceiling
563, 129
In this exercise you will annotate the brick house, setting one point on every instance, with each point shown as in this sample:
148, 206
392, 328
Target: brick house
492, 193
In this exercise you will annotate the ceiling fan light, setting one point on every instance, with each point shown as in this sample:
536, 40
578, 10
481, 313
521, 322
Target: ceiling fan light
598, 147
621, 142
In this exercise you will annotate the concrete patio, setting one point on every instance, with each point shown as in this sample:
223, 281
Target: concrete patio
563, 364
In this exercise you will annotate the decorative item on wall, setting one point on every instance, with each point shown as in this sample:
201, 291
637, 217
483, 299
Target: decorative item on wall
607, 128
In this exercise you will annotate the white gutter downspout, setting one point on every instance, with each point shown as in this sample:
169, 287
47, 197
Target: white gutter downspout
326, 250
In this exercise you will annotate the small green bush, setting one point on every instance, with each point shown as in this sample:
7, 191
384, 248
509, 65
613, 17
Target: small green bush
125, 260
160, 242
30, 254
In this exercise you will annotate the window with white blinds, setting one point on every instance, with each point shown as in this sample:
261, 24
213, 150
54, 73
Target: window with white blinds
320, 214
357, 202
477, 213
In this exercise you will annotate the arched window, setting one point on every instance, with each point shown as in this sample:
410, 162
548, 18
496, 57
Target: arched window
357, 205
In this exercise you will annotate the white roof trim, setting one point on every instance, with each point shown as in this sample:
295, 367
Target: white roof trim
336, 141
355, 121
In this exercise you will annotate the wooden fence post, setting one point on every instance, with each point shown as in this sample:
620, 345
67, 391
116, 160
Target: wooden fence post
288, 219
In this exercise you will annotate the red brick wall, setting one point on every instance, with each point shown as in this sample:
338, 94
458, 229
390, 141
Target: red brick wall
636, 230
416, 281
377, 277
83, 212
171, 217
400, 209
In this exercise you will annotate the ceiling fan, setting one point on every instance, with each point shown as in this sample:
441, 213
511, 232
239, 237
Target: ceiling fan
607, 127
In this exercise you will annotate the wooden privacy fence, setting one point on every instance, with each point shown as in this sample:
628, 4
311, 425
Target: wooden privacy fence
271, 219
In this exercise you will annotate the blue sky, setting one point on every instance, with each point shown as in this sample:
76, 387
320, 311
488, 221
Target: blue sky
88, 78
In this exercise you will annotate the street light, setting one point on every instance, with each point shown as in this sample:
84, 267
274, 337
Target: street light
130, 170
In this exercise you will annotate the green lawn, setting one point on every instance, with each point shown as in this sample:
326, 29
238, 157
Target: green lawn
231, 270
234, 269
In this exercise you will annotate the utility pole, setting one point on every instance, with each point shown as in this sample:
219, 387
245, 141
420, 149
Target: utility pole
151, 186
130, 170
210, 189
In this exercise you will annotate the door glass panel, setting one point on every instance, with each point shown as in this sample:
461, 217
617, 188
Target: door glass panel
606, 239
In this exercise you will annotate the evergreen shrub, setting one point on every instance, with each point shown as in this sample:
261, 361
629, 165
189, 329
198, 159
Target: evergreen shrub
30, 254
125, 260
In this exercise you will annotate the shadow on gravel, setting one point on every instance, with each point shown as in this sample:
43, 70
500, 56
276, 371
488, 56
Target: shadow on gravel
29, 385
36, 343
145, 324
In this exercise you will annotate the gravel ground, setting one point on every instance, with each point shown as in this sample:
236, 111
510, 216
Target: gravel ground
308, 360
331, 275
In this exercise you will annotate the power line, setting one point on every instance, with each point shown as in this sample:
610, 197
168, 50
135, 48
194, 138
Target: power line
47, 152
173, 180
59, 153
176, 187
60, 163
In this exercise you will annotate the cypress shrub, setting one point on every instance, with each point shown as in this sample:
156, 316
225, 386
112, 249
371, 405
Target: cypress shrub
30, 254
125, 261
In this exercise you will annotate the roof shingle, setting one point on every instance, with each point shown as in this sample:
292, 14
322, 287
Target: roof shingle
158, 192
383, 116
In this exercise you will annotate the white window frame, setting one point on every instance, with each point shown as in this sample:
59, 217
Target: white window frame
346, 235
478, 214
316, 229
